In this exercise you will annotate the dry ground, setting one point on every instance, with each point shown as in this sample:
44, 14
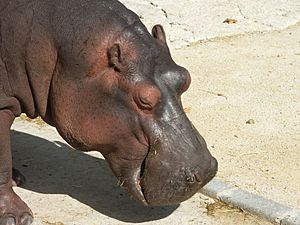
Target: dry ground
252, 78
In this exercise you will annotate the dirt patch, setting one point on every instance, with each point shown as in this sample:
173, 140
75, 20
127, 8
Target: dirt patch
39, 121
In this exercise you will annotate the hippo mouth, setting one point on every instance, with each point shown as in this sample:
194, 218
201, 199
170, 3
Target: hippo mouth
141, 187
136, 189
163, 181
135, 185
175, 165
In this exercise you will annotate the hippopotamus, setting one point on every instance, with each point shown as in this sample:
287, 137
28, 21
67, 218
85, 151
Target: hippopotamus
92, 70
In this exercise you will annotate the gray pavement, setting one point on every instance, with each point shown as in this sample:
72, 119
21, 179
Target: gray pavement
189, 21
252, 203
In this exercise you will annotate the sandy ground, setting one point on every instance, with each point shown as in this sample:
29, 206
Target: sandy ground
235, 79
257, 78
68, 187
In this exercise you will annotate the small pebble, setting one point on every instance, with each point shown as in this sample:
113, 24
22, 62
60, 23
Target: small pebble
251, 121
230, 21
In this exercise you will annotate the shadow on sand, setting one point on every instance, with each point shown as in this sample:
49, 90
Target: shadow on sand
55, 168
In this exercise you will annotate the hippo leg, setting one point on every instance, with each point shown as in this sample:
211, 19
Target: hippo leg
13, 211
18, 178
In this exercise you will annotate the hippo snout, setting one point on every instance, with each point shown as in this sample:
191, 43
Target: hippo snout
161, 186
202, 177
174, 186
178, 163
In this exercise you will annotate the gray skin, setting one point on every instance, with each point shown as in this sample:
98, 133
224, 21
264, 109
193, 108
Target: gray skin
91, 69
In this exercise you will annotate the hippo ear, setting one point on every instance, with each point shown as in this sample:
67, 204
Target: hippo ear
159, 33
115, 57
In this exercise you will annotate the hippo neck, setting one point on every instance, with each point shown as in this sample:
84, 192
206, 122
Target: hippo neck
28, 57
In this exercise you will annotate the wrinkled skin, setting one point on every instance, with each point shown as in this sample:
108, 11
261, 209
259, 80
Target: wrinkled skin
91, 69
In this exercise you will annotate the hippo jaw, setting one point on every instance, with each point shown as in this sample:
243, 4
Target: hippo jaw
176, 166
173, 167
178, 163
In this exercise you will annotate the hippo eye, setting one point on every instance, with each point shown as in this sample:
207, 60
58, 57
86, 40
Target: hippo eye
147, 97
146, 103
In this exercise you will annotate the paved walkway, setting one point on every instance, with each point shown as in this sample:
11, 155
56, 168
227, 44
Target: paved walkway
189, 21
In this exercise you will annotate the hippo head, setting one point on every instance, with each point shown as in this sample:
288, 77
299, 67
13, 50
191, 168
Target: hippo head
128, 107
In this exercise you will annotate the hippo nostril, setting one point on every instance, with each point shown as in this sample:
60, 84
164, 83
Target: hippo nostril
198, 178
190, 179
193, 176
193, 179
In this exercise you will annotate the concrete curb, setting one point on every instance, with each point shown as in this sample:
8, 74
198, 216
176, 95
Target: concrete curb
252, 203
